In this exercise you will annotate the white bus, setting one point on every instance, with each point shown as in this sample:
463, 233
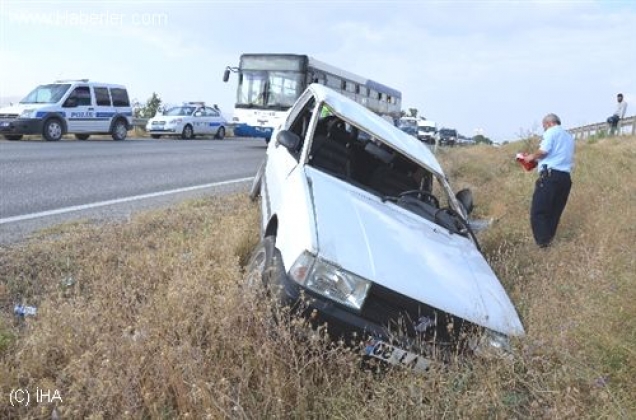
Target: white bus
269, 84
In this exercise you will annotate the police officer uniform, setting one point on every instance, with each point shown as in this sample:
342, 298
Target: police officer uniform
552, 188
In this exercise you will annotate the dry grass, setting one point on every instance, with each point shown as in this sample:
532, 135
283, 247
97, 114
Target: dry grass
148, 319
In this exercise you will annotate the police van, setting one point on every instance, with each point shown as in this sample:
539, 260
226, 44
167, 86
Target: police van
79, 107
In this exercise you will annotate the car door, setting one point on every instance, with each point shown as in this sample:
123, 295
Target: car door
199, 118
79, 110
281, 161
104, 110
214, 120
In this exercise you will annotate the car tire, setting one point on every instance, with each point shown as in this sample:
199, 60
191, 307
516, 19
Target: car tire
187, 133
220, 134
82, 136
52, 129
155, 136
13, 136
255, 189
120, 130
258, 263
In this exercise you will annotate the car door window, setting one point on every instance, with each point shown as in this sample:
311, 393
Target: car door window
211, 112
301, 123
102, 98
82, 95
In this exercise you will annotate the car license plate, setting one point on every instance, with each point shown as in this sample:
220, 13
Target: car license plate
395, 356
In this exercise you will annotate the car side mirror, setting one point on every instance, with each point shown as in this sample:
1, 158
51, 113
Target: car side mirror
70, 103
288, 140
226, 75
465, 197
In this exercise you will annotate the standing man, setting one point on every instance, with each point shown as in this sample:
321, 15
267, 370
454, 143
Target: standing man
618, 115
555, 158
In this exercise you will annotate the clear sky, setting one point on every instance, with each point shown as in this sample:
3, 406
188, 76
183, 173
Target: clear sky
499, 66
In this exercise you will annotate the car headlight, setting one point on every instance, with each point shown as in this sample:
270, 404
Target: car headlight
330, 280
28, 113
175, 122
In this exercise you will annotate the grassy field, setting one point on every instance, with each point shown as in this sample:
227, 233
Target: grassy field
149, 319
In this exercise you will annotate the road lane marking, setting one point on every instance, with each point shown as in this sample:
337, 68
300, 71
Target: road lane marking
118, 201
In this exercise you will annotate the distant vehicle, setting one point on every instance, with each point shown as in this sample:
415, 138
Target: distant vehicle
409, 129
447, 137
407, 122
426, 131
187, 121
361, 221
269, 84
79, 107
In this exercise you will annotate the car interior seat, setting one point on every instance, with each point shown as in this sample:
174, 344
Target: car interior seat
331, 147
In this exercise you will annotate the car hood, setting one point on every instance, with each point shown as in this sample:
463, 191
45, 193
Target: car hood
19, 108
408, 254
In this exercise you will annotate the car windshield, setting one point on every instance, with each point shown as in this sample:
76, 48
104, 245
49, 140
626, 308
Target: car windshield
269, 89
180, 111
426, 129
46, 94
348, 152
446, 132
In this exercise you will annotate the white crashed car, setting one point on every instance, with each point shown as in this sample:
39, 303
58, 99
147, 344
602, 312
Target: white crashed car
188, 121
359, 217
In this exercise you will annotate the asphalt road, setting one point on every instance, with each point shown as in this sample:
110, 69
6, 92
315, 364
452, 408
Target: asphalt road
47, 183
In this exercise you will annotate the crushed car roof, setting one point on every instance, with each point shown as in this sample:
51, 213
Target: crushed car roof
377, 126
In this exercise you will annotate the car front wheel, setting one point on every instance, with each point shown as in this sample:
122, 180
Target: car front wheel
220, 134
52, 130
187, 133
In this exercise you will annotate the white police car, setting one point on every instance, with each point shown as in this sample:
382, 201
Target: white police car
189, 120
359, 218
79, 107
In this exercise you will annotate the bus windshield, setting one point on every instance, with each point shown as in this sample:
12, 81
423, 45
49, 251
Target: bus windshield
269, 89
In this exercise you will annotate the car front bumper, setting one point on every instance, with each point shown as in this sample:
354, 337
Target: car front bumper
20, 126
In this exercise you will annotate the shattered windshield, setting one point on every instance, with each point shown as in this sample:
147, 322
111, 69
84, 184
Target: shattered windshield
46, 94
269, 89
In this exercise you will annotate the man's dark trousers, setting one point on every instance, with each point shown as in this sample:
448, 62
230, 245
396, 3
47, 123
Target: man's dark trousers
551, 193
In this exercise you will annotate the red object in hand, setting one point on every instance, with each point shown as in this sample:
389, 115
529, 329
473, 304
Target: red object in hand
528, 166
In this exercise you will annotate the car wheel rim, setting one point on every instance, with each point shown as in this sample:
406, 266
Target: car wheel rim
121, 131
55, 130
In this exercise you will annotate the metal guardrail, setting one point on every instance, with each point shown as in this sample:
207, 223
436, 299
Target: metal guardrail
625, 126
139, 122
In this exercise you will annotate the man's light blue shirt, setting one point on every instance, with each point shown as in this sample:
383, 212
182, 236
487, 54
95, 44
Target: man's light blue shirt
559, 146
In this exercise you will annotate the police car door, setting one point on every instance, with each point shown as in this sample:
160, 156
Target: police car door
104, 111
79, 110
199, 121
214, 120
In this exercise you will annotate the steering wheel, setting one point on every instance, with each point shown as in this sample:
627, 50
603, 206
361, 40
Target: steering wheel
424, 196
